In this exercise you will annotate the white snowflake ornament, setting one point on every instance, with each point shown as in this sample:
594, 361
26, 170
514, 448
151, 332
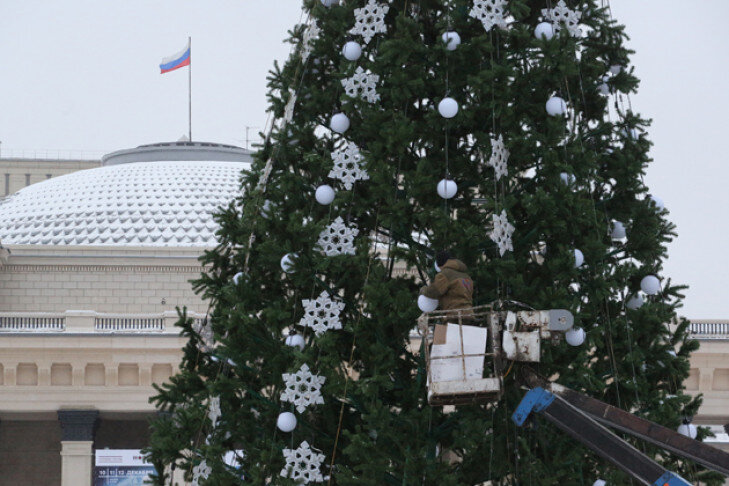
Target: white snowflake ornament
338, 238
490, 12
321, 314
370, 20
501, 234
302, 388
362, 85
499, 157
348, 165
201, 471
302, 464
561, 14
307, 42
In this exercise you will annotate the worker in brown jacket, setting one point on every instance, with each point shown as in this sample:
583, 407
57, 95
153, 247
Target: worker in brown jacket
452, 286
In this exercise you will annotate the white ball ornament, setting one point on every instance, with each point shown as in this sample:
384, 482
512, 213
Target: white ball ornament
556, 106
452, 40
447, 188
575, 336
324, 194
339, 123
448, 107
658, 202
329, 3
544, 30
635, 302
617, 232
599, 482
579, 258
688, 430
630, 133
237, 277
426, 304
650, 285
286, 421
567, 179
295, 341
351, 51
615, 69
287, 262
604, 87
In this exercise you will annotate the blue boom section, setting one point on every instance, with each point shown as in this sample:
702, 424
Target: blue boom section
536, 400
670, 479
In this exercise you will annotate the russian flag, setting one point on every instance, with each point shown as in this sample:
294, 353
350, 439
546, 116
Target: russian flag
181, 59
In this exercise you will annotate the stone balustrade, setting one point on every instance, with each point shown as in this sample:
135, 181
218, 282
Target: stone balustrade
91, 322
710, 329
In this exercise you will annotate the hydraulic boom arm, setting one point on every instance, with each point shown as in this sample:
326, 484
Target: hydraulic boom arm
584, 429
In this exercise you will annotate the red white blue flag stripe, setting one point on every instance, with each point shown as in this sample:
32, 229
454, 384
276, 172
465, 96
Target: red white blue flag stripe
181, 59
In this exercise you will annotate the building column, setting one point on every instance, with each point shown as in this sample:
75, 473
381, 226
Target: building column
77, 446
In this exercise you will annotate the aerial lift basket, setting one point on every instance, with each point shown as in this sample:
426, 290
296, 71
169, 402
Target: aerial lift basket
463, 356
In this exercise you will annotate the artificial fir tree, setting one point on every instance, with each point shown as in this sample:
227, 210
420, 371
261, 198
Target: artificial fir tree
405, 127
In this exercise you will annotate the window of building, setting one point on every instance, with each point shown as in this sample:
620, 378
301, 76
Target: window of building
48, 176
27, 179
7, 184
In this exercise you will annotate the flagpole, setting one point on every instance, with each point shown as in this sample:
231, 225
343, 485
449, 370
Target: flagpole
189, 90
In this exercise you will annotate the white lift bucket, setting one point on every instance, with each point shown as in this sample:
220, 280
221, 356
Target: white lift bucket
461, 350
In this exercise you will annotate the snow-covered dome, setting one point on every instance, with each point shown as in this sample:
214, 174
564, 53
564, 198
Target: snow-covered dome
161, 203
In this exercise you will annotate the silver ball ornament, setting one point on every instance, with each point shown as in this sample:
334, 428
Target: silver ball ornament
635, 302
650, 285
447, 188
287, 262
579, 258
657, 202
452, 40
575, 336
556, 106
426, 304
617, 232
351, 51
339, 123
286, 421
544, 30
324, 194
448, 108
295, 341
688, 430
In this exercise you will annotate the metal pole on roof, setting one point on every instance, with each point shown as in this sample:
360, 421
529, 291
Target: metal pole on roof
189, 89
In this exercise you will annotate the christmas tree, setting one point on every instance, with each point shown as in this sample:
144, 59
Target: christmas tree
500, 130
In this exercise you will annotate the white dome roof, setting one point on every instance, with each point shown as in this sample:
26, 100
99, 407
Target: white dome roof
168, 203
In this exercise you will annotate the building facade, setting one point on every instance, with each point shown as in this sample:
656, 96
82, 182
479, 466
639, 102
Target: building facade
18, 173
93, 266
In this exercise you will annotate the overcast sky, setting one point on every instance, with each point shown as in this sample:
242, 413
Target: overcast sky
83, 76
